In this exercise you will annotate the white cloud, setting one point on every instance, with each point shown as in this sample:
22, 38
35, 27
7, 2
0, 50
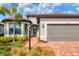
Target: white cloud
27, 9
70, 12
77, 8
57, 4
40, 7
23, 4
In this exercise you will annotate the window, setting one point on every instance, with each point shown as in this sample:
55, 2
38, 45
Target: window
26, 29
17, 28
10, 28
0, 28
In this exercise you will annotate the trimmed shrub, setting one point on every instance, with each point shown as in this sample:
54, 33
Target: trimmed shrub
21, 38
2, 39
17, 44
6, 39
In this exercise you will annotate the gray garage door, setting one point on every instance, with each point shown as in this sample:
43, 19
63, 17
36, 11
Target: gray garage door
59, 32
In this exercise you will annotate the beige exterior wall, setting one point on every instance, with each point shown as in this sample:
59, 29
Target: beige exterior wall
59, 19
33, 19
42, 31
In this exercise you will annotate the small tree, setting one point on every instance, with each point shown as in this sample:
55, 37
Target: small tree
11, 12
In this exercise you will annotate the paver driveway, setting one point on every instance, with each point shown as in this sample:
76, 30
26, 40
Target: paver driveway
65, 48
60, 48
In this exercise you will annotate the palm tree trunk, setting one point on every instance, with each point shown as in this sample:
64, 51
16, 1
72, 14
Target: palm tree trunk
13, 31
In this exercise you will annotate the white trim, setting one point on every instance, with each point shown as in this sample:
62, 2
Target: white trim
62, 22
44, 36
46, 31
16, 35
22, 28
7, 28
28, 30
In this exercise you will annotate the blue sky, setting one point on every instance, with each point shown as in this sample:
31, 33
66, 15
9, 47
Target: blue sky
37, 8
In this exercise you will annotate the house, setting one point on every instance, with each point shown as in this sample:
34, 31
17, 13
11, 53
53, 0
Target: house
48, 27
21, 28
1, 29
56, 27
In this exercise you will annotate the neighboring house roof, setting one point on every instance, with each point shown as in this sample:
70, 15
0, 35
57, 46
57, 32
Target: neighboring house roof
11, 19
53, 15
1, 23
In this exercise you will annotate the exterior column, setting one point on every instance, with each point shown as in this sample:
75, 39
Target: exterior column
4, 30
7, 29
22, 29
38, 33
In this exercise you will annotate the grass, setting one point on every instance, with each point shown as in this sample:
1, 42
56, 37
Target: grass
35, 51
6, 44
16, 49
6, 47
41, 51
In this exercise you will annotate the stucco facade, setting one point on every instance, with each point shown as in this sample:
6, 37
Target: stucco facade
6, 28
43, 20
21, 27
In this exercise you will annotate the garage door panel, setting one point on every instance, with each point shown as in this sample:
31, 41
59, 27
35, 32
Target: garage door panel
62, 32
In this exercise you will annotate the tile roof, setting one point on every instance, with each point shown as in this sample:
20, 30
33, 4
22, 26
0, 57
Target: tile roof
54, 15
11, 19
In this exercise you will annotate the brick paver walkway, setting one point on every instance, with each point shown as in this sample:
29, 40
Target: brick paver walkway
63, 48
34, 41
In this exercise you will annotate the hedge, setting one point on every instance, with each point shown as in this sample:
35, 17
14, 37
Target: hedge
6, 39
21, 38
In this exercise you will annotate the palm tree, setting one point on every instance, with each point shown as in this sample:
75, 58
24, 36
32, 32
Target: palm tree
13, 12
